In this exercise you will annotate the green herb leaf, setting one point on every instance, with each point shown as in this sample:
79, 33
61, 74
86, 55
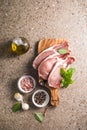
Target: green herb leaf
70, 72
67, 77
63, 51
63, 72
16, 107
39, 117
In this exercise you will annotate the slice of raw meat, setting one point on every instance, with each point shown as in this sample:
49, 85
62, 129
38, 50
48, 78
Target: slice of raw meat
42, 56
47, 65
54, 79
49, 51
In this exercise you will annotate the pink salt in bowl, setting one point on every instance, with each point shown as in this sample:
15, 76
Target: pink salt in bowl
26, 84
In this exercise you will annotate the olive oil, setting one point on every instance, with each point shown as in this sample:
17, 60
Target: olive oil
20, 45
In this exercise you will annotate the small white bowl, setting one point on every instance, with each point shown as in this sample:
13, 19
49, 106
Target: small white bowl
19, 83
45, 102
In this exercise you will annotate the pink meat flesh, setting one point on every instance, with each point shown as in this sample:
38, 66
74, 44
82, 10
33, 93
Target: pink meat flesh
49, 51
54, 79
47, 65
59, 46
42, 56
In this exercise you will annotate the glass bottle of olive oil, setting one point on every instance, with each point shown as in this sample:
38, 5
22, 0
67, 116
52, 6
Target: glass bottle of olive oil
20, 45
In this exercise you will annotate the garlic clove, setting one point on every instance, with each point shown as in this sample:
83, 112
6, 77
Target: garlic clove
25, 106
18, 97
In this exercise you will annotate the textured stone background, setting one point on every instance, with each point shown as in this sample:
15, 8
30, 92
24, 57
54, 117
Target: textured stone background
37, 19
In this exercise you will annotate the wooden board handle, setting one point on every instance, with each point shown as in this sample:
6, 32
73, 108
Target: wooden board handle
54, 97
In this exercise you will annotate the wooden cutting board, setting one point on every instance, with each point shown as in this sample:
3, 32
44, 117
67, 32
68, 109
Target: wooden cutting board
44, 44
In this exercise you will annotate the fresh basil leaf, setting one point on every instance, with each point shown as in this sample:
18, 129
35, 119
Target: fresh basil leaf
71, 81
63, 51
63, 72
39, 117
64, 83
16, 107
66, 77
70, 72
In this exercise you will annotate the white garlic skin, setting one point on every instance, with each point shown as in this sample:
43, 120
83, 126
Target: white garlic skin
18, 97
25, 106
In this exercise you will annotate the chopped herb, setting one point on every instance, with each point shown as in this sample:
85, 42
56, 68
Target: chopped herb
16, 107
63, 51
39, 117
67, 77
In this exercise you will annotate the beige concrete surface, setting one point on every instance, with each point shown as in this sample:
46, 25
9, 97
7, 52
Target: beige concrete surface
37, 19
